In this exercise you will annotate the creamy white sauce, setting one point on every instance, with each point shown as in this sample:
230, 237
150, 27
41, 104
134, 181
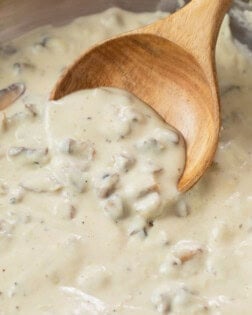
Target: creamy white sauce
91, 221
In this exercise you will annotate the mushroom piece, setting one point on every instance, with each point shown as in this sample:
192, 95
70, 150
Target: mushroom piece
187, 249
174, 297
182, 209
65, 210
113, 207
80, 149
105, 184
137, 226
72, 176
16, 195
130, 114
41, 182
10, 94
166, 136
149, 206
19, 67
123, 161
149, 144
29, 155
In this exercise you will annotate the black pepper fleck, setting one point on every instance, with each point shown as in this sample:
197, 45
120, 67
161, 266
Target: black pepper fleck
150, 223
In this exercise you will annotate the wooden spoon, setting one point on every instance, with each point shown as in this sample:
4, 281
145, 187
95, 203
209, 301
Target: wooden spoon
170, 65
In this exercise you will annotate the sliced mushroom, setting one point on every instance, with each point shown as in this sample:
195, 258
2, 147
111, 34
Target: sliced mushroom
78, 181
81, 149
20, 117
162, 301
149, 205
105, 184
166, 136
21, 66
113, 207
72, 176
29, 155
122, 129
123, 162
147, 189
10, 94
16, 195
187, 249
150, 166
182, 209
149, 144
65, 210
141, 185
130, 114
66, 146
138, 225
173, 297
14, 151
41, 182
170, 266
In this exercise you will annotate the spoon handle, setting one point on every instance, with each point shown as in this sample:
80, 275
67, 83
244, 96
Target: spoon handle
195, 27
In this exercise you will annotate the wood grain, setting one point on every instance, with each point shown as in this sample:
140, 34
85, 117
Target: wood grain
170, 65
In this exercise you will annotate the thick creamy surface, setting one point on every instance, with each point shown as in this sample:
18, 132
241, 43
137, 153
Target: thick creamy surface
90, 218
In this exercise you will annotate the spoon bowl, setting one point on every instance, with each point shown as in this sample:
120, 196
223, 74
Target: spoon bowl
169, 67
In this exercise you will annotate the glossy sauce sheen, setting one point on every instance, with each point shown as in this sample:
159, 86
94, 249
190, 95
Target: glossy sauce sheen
91, 221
